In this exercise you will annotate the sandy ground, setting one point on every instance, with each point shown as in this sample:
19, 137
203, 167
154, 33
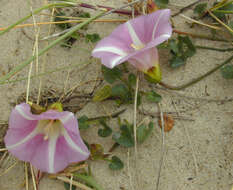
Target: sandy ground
198, 153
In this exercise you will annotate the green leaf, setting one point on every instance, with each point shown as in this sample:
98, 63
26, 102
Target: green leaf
153, 97
124, 137
181, 49
102, 93
122, 92
67, 186
111, 75
188, 49
132, 79
116, 163
200, 8
83, 122
106, 131
227, 71
161, 3
173, 46
176, 62
93, 38
144, 131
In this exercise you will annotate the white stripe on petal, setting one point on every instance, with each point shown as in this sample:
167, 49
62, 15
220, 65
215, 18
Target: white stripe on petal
22, 113
72, 144
66, 118
51, 155
156, 24
133, 35
27, 138
114, 61
110, 50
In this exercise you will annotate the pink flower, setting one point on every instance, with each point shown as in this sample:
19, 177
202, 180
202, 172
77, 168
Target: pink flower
136, 41
49, 141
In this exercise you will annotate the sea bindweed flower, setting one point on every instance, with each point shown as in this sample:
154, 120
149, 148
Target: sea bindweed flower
49, 140
135, 41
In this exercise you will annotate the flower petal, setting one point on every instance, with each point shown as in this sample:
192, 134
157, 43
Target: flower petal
25, 140
145, 60
70, 148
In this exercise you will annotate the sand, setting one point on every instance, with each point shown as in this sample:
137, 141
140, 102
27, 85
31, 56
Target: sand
198, 150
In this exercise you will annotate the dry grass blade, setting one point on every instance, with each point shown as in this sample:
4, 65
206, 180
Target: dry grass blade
200, 23
8, 169
33, 178
75, 183
26, 176
162, 147
219, 21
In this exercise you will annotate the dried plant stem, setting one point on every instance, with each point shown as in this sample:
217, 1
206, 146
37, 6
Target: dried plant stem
135, 125
201, 36
222, 23
26, 175
194, 81
51, 45
3, 149
162, 148
67, 21
33, 178
201, 23
3, 157
185, 8
34, 12
9, 168
75, 183
214, 49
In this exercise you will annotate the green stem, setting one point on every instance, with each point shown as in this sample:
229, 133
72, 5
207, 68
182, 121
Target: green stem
222, 11
52, 44
215, 49
33, 13
197, 79
89, 180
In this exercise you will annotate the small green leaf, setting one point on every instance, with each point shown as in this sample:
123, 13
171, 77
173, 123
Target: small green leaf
176, 62
173, 46
106, 131
83, 122
188, 49
93, 38
161, 3
153, 97
125, 137
181, 50
111, 75
132, 79
144, 131
67, 186
121, 91
116, 163
200, 9
102, 93
227, 71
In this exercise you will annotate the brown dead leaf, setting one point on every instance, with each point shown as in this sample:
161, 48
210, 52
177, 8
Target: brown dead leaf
168, 123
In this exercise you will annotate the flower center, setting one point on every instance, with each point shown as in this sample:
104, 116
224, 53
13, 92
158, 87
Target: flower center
50, 128
137, 47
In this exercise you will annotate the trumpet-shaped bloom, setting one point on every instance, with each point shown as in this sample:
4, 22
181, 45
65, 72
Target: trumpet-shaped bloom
136, 41
49, 141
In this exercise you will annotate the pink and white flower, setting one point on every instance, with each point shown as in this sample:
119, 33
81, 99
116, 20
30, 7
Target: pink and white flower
135, 41
49, 141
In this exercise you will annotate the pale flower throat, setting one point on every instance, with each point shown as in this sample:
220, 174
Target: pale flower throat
50, 128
